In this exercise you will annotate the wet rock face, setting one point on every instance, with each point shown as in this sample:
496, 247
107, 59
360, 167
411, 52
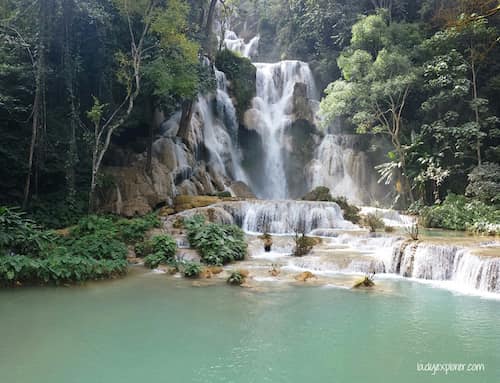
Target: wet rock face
297, 153
301, 106
241, 190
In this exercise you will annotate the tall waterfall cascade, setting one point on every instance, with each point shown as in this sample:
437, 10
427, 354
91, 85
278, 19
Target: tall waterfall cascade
334, 159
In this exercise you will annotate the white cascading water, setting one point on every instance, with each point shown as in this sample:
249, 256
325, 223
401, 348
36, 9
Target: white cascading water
341, 168
216, 129
447, 263
236, 44
272, 109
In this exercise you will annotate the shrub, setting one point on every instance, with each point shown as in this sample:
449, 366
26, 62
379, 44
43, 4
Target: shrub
236, 278
373, 222
164, 244
191, 269
100, 245
350, 212
154, 260
218, 244
57, 269
92, 224
134, 230
460, 213
303, 245
20, 235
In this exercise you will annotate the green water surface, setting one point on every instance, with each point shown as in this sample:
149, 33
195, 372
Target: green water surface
154, 328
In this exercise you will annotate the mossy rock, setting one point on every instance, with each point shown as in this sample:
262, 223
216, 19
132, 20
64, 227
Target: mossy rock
242, 75
304, 276
186, 202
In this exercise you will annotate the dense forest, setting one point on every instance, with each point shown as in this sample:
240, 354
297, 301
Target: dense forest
85, 83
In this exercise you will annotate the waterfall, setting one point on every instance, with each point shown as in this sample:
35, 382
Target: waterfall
446, 263
341, 167
279, 217
214, 125
236, 44
272, 113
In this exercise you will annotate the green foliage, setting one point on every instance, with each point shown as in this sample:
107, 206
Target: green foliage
460, 213
350, 212
242, 74
94, 249
20, 235
303, 245
154, 260
484, 183
134, 230
236, 278
190, 269
63, 268
57, 210
164, 244
160, 249
373, 222
218, 244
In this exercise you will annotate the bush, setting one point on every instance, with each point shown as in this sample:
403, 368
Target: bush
154, 260
20, 235
99, 245
57, 269
303, 245
373, 222
164, 244
134, 230
218, 244
236, 278
460, 213
350, 212
191, 269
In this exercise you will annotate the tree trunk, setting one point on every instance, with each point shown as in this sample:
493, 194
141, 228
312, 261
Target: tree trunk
209, 28
34, 134
476, 110
187, 113
69, 70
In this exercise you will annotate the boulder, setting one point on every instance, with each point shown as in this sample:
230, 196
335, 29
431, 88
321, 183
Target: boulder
241, 190
304, 276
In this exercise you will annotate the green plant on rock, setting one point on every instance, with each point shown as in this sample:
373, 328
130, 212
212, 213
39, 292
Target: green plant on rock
218, 244
372, 222
164, 244
154, 260
303, 245
236, 278
190, 269
350, 212
242, 74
